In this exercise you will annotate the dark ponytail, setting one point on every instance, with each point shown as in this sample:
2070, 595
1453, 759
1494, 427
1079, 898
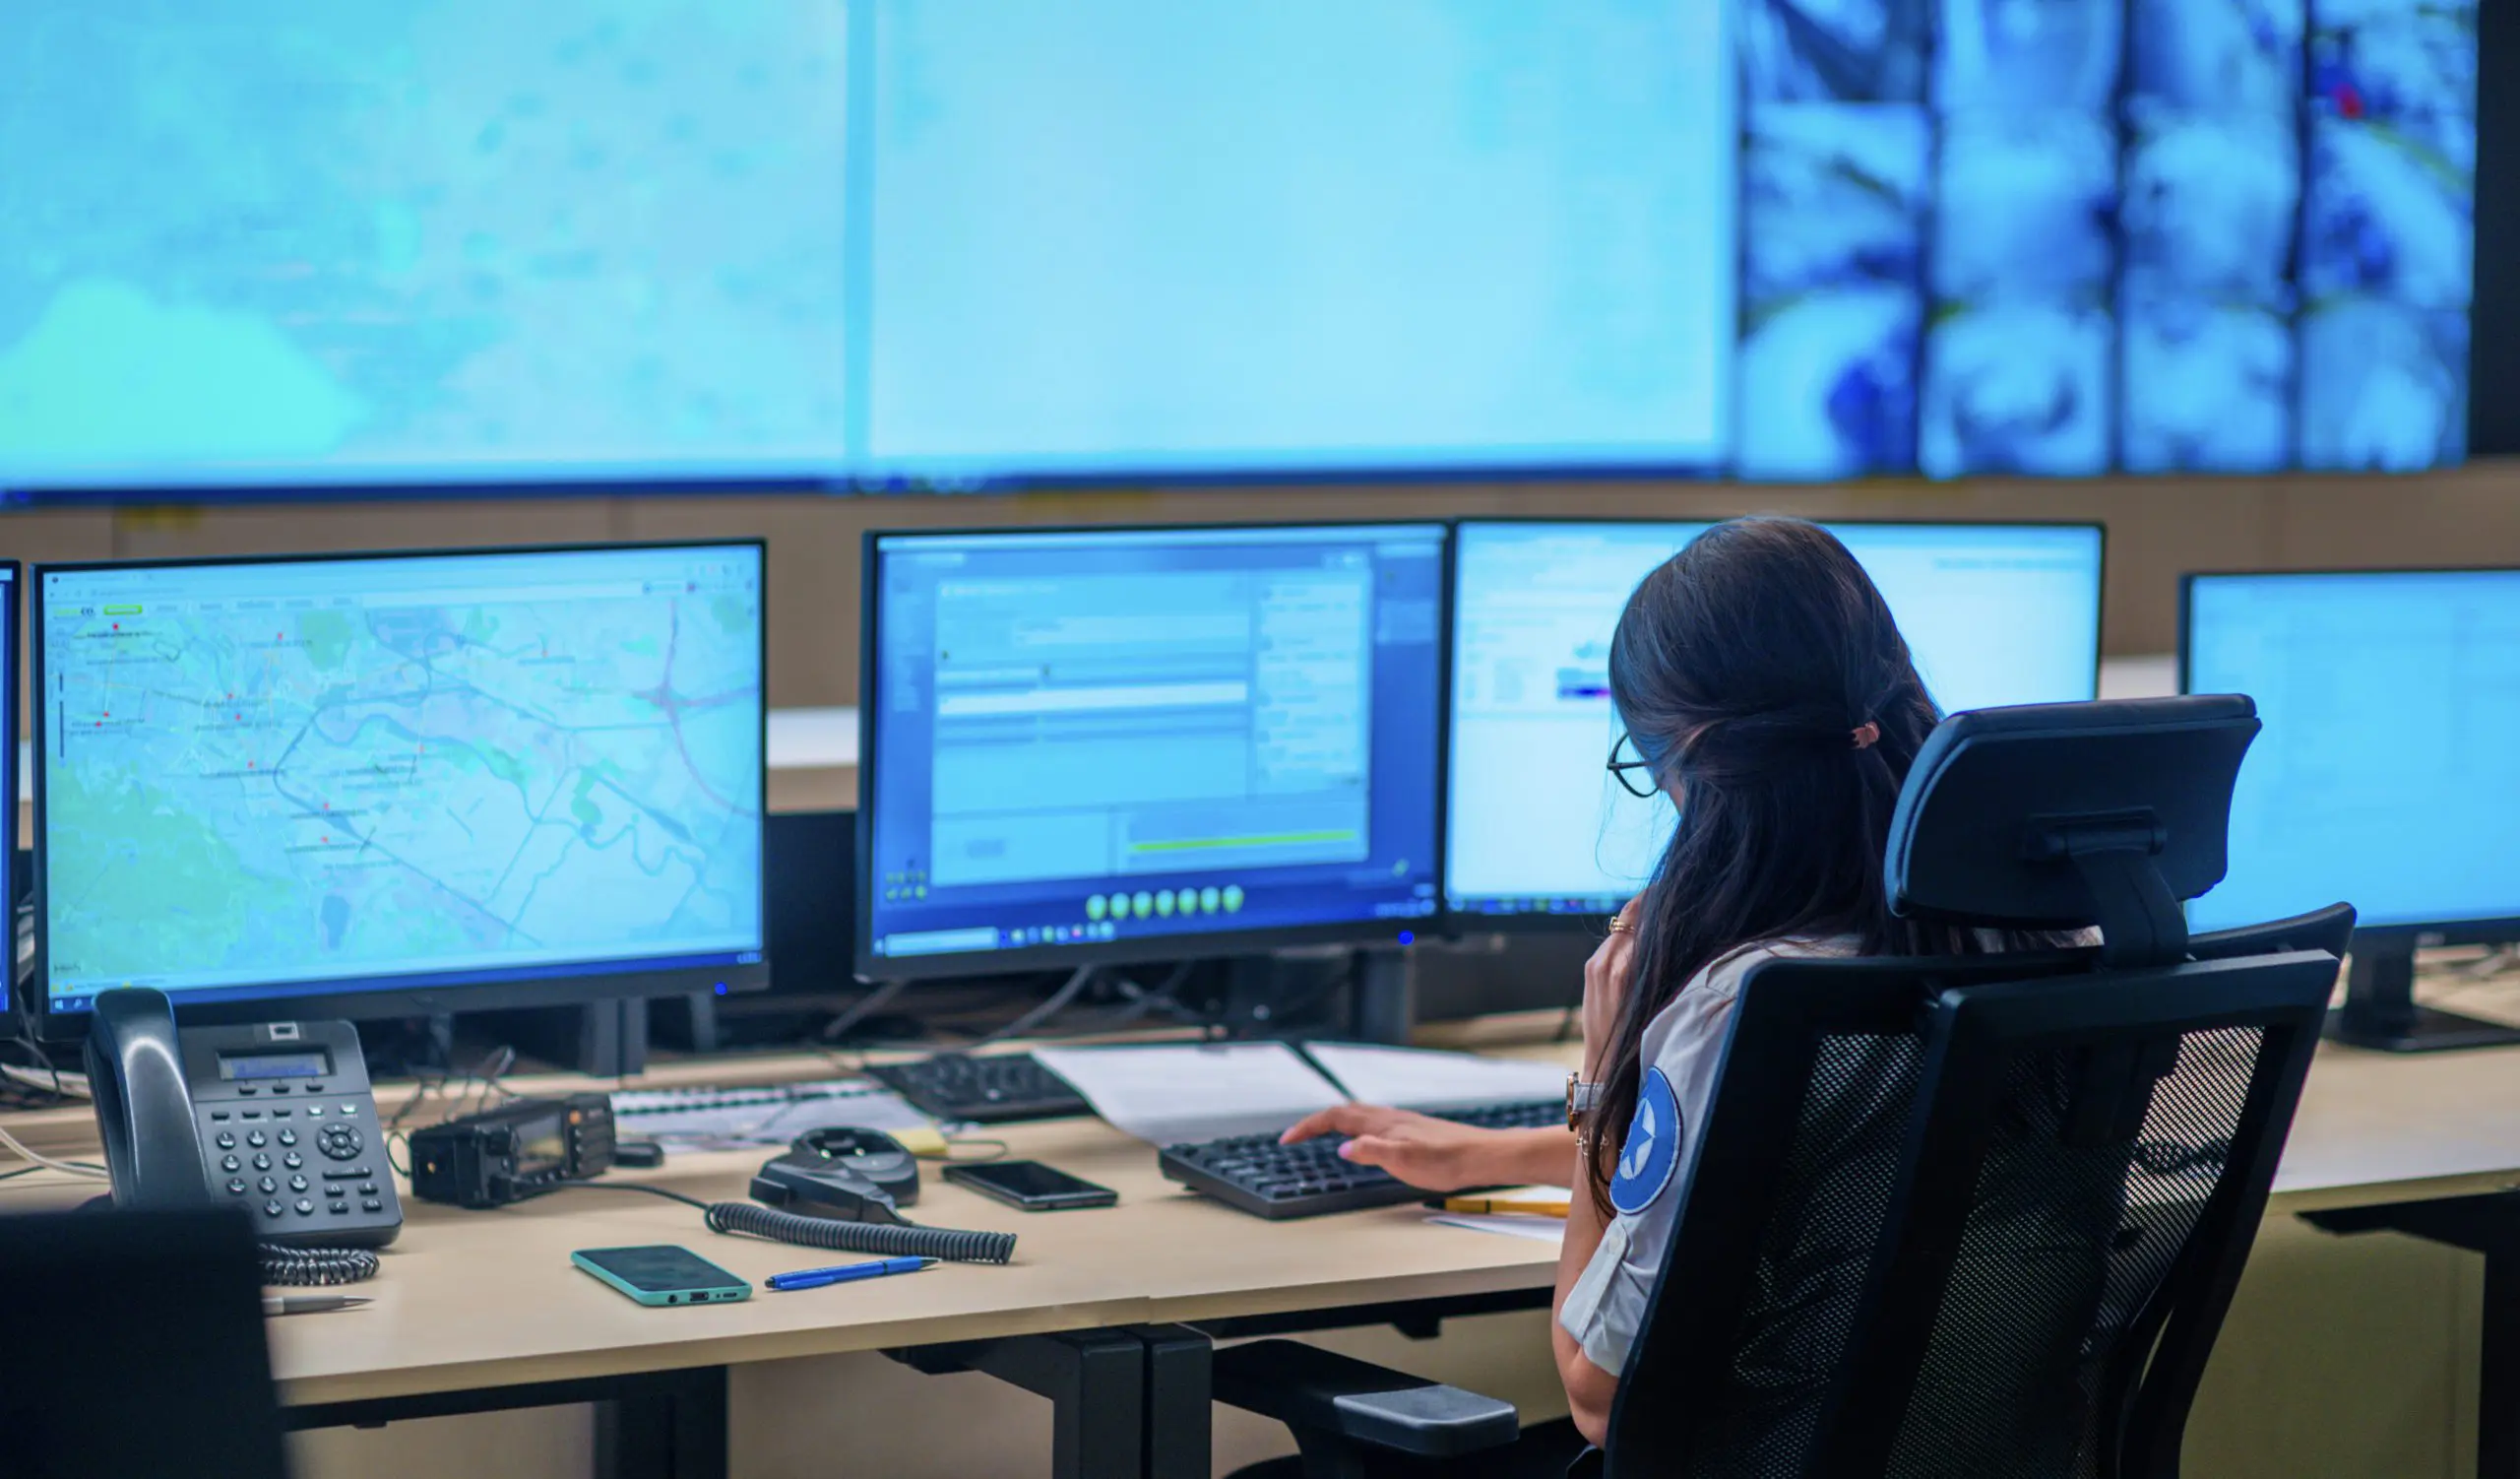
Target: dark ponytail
1760, 673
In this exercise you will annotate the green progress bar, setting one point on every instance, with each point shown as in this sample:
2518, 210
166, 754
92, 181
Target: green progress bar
1263, 840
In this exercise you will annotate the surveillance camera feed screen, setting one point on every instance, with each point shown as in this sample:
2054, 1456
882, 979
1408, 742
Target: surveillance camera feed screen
2057, 236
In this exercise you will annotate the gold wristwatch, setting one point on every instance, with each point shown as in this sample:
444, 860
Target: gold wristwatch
1581, 1099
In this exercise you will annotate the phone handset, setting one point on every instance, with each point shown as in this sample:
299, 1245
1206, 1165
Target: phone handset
144, 1103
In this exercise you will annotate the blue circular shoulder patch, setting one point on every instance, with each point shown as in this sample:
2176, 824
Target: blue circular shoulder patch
1652, 1151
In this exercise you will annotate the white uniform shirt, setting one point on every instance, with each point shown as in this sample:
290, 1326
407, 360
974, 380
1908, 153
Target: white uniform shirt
1605, 1309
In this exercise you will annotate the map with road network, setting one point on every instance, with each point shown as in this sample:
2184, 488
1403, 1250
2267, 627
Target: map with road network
363, 768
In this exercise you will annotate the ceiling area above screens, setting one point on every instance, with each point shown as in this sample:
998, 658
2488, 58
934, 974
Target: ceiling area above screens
855, 245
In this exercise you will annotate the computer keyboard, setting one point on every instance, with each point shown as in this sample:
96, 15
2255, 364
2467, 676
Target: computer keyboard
1308, 1179
991, 1090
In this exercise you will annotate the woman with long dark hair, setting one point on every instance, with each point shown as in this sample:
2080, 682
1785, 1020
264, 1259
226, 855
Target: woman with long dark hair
1766, 690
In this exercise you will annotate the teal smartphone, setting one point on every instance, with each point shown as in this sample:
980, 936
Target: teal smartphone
663, 1274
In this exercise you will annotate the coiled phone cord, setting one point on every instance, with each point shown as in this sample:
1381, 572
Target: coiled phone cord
887, 1240
302, 1267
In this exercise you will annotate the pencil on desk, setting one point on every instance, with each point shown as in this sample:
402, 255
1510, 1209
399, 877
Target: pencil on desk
1540, 1202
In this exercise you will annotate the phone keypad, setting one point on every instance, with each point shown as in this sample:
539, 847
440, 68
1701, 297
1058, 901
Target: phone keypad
328, 1188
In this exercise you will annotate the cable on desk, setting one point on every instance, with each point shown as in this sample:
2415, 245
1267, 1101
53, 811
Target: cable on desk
887, 1240
46, 1078
460, 1089
16, 1147
1139, 1000
872, 1003
1059, 1002
688, 1201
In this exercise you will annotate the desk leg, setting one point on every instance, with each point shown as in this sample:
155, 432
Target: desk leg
2487, 1225
1180, 1401
2498, 1369
648, 1425
1095, 1381
679, 1433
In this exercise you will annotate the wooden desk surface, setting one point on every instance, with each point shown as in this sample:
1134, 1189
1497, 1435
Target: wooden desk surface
490, 1299
483, 1299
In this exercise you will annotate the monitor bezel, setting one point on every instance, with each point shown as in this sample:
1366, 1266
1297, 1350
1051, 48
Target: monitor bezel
1144, 950
1463, 924
2498, 931
11, 884
306, 1001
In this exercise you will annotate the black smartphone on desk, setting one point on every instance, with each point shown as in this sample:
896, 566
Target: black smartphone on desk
1030, 1184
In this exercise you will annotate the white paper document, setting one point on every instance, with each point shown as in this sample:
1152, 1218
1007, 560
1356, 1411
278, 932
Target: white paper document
1418, 1079
1172, 1095
1549, 1230
715, 1118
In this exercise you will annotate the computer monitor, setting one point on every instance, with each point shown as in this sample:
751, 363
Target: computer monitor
9, 881
392, 784
1539, 832
2383, 775
1104, 745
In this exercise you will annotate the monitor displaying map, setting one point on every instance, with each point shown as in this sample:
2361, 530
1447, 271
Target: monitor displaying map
856, 243
266, 246
429, 777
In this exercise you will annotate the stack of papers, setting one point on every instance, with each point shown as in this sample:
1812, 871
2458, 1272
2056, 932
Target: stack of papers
715, 1118
1416, 1078
1175, 1095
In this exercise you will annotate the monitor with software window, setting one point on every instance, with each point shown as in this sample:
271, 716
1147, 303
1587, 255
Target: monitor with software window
2383, 776
9, 881
393, 784
1102, 745
1539, 835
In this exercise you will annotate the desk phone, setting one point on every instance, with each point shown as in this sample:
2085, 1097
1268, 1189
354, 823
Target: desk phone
288, 1129
276, 1118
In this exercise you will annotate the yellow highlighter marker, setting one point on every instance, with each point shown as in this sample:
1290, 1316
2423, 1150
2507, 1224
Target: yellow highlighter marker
1533, 1201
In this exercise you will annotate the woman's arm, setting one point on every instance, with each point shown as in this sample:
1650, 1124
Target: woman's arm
1440, 1155
1589, 1388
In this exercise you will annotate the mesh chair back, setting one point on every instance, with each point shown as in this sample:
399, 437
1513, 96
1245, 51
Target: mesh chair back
1999, 1226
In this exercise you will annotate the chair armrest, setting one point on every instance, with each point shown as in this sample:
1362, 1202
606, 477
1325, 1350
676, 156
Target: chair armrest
1318, 1393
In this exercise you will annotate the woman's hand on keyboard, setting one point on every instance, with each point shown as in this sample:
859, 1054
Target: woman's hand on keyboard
1440, 1155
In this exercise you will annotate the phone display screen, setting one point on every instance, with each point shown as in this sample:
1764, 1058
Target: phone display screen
251, 1068
660, 1268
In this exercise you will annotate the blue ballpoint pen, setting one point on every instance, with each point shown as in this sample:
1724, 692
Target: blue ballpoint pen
817, 1279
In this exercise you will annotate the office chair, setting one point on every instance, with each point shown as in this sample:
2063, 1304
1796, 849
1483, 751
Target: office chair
1960, 1215
140, 1348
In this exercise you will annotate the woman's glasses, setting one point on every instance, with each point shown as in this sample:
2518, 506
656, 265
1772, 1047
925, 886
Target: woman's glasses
1628, 771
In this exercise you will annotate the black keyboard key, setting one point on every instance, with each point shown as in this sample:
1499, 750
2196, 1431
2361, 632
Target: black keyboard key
1259, 1176
985, 1091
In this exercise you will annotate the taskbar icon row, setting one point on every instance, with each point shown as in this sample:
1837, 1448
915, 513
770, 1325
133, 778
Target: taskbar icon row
1163, 903
1573, 908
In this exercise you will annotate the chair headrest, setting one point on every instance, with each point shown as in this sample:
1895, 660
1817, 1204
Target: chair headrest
2056, 816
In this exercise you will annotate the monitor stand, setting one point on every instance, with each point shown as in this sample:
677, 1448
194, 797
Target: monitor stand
1366, 994
600, 1039
2380, 1010
1382, 996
